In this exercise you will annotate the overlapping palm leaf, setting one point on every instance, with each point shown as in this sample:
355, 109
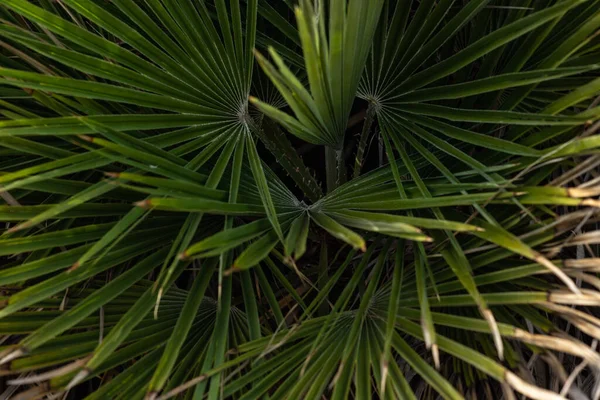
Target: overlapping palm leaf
152, 250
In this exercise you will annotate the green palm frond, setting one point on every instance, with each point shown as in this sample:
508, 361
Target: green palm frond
167, 232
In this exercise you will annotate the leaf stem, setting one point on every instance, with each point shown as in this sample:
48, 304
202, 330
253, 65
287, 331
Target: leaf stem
323, 275
276, 142
362, 143
331, 168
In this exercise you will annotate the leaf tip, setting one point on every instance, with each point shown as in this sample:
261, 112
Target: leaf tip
81, 375
231, 270
435, 352
11, 356
73, 267
590, 203
15, 228
143, 204
114, 175
87, 138
151, 395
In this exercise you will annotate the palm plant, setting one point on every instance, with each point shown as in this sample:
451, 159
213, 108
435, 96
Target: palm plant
164, 237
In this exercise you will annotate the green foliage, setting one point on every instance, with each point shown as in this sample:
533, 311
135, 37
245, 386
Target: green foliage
162, 235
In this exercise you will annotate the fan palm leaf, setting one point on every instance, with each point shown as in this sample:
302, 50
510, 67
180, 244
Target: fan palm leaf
167, 233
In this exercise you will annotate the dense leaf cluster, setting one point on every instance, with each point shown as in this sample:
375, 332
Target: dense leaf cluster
304, 199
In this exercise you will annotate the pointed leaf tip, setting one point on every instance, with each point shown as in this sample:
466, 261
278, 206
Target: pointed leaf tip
231, 270
590, 203
143, 204
87, 138
15, 228
151, 396
74, 266
11, 356
77, 379
435, 352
